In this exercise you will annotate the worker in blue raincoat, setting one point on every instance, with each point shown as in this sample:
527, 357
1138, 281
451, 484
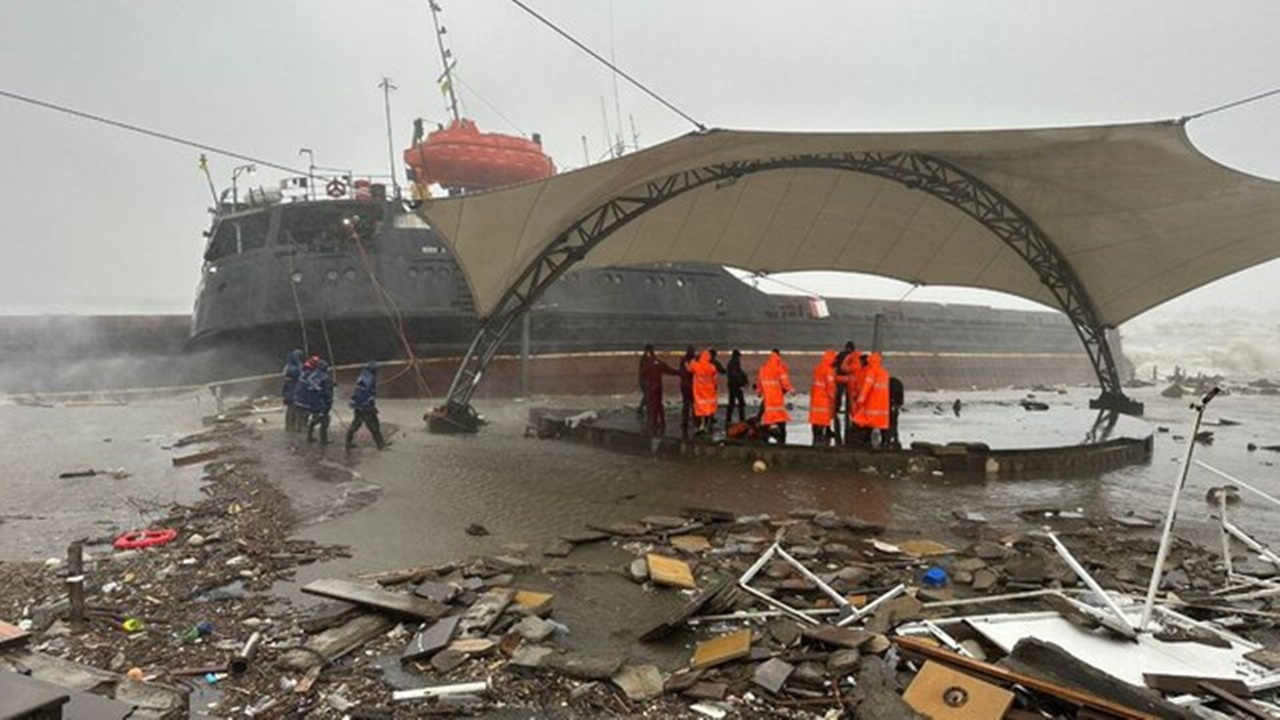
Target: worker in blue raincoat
364, 406
315, 397
292, 375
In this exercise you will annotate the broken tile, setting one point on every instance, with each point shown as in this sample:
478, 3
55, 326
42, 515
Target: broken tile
706, 690
681, 680
843, 637
532, 601
437, 591
533, 628
984, 580
722, 649
809, 673
639, 682
690, 543
669, 571
430, 640
530, 656
772, 674
785, 632
447, 660
924, 548
664, 521
844, 661
484, 612
969, 564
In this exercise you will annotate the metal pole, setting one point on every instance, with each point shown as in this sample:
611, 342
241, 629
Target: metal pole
1084, 575
445, 60
876, 333
525, 343
387, 87
1166, 535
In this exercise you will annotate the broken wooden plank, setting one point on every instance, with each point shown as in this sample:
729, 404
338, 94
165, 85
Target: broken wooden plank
337, 641
533, 601
329, 614
690, 543
1190, 684
406, 575
941, 693
395, 603
924, 548
1235, 703
203, 456
437, 591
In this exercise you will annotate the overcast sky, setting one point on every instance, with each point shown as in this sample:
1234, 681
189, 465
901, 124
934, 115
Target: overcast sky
97, 220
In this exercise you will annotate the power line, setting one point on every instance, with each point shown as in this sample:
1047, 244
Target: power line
487, 104
609, 65
148, 132
1232, 104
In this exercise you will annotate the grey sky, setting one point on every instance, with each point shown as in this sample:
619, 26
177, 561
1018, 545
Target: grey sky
98, 220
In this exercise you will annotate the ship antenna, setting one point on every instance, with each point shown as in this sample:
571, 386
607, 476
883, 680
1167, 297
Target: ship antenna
445, 60
387, 87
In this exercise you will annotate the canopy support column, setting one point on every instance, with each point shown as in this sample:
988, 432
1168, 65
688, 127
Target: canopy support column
940, 178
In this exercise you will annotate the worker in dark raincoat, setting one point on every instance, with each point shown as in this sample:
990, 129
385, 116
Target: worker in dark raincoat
686, 389
364, 406
737, 380
315, 397
292, 374
652, 369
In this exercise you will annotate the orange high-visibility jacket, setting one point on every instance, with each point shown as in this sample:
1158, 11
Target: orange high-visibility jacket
822, 393
852, 372
773, 384
705, 396
873, 402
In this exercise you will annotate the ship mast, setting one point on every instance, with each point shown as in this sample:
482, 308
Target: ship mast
445, 60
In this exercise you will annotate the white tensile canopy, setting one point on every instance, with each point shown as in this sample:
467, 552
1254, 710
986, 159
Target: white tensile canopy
1136, 211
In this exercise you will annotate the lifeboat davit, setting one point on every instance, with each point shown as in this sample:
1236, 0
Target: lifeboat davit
460, 157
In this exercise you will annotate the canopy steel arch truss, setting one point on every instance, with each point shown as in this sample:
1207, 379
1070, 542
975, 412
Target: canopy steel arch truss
916, 171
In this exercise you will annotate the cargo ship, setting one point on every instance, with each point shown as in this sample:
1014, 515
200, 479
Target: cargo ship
343, 267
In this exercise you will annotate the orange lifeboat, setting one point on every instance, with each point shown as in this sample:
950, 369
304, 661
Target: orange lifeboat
460, 157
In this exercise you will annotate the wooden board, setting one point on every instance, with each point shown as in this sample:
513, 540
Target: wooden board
924, 548
391, 602
669, 571
941, 693
691, 543
532, 600
1190, 684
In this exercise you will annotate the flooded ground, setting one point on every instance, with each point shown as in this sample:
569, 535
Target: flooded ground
41, 513
411, 504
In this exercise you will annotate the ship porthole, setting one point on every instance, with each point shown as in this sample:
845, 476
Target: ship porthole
297, 277
679, 282
331, 275
349, 274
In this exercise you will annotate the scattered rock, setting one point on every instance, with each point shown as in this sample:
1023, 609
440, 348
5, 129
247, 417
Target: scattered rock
639, 682
772, 674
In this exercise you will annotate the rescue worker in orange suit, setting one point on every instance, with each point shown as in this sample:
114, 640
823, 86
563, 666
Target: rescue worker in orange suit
705, 394
686, 390
773, 383
841, 392
822, 398
851, 371
873, 400
652, 368
897, 396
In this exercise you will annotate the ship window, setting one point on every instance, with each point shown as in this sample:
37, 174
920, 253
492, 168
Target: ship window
322, 229
332, 275
349, 274
238, 236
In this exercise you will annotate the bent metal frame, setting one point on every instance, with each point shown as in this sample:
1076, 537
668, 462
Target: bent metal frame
941, 179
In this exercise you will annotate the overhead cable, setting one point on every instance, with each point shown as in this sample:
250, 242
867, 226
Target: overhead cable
609, 65
1232, 104
148, 132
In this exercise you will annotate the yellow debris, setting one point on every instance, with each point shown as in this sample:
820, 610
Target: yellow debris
669, 571
722, 649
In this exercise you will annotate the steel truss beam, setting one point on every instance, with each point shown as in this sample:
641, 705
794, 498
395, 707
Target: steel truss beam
926, 173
